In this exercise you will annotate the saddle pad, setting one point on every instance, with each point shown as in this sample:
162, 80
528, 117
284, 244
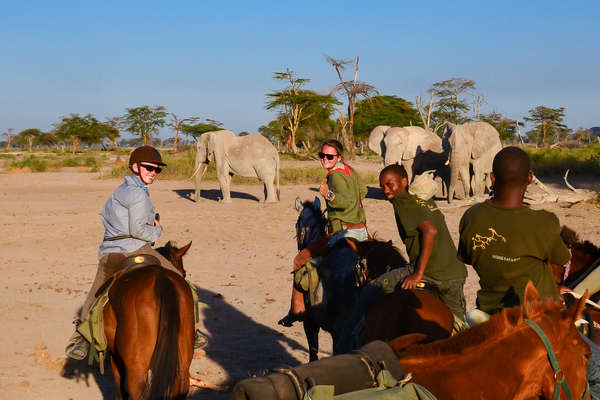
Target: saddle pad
347, 372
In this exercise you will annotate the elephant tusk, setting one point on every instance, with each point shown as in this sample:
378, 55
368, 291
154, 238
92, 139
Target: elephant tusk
204, 171
447, 162
197, 169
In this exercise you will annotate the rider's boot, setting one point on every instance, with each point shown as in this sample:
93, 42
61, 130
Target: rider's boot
297, 309
78, 347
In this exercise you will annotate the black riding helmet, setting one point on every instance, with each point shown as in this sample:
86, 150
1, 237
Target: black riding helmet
145, 154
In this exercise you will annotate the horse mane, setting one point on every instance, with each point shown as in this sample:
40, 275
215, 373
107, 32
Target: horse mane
500, 324
572, 240
386, 244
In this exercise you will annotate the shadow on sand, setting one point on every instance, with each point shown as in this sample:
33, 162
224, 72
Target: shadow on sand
213, 194
240, 345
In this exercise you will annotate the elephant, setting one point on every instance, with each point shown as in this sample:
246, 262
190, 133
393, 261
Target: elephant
471, 146
416, 149
251, 156
376, 139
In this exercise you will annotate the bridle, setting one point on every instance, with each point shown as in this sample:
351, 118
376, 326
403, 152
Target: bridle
307, 233
560, 380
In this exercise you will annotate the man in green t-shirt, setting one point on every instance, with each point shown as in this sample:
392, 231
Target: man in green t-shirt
506, 242
432, 254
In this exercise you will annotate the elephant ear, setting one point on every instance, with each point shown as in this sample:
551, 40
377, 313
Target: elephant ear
485, 137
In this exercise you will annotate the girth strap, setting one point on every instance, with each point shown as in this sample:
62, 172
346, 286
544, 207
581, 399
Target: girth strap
559, 376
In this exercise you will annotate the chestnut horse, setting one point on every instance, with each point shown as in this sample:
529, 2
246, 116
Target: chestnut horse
503, 358
408, 311
403, 311
149, 327
584, 254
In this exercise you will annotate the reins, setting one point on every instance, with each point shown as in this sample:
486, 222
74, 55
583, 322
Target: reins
560, 380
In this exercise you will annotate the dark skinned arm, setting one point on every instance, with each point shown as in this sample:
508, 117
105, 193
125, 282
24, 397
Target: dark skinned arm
428, 233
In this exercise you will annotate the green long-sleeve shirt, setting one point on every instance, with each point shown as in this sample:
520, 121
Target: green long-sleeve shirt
349, 191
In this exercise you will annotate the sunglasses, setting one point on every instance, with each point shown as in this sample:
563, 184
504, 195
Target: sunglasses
327, 156
151, 168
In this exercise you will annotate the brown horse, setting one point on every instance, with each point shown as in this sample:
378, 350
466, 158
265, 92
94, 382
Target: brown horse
503, 358
583, 255
404, 311
149, 327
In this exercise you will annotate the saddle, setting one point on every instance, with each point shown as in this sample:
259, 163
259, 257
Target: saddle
92, 326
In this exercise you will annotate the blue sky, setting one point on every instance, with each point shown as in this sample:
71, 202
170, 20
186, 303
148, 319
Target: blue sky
216, 59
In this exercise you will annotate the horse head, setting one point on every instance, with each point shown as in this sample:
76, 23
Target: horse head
571, 351
376, 256
311, 222
175, 255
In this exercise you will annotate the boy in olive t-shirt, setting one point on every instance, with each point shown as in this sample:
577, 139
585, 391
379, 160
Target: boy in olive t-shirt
506, 242
432, 254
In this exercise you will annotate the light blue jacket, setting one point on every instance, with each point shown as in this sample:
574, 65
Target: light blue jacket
128, 211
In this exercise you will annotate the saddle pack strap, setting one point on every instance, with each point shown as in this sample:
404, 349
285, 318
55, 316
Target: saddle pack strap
118, 237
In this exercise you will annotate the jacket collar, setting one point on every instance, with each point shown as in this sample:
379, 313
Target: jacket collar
134, 180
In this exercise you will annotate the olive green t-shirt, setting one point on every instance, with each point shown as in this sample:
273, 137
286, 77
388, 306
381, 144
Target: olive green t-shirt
508, 247
410, 211
349, 191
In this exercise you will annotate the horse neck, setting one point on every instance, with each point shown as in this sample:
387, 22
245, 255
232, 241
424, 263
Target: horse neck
505, 327
380, 257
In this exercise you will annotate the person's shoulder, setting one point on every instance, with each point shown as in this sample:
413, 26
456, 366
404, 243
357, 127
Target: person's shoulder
130, 189
476, 210
545, 217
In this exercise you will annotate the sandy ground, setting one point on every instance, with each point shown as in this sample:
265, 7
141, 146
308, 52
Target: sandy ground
240, 259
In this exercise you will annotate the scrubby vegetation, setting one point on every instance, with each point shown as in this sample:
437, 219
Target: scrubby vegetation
556, 161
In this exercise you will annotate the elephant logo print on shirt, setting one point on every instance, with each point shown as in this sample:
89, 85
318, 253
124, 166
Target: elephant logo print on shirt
482, 242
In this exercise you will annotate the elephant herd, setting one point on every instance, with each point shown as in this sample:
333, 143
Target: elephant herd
464, 152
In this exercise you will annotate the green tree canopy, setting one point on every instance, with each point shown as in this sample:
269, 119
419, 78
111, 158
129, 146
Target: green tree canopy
548, 124
76, 130
27, 137
383, 110
196, 130
506, 127
144, 121
451, 106
296, 106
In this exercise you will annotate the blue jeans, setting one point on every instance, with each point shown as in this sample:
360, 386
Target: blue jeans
359, 234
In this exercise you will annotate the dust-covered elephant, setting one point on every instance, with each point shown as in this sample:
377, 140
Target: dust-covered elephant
376, 139
415, 148
251, 155
471, 146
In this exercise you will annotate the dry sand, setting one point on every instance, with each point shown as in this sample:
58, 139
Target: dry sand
240, 259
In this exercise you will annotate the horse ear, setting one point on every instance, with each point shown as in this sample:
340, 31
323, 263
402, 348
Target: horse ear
577, 308
353, 243
298, 204
402, 342
168, 245
317, 203
181, 252
530, 299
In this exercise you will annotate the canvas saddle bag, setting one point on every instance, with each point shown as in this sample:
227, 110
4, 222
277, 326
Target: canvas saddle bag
346, 372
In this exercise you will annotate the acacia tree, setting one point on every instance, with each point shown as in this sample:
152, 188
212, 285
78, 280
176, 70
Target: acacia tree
200, 128
383, 110
296, 105
144, 121
177, 125
506, 127
27, 137
352, 89
548, 122
450, 106
76, 130
115, 124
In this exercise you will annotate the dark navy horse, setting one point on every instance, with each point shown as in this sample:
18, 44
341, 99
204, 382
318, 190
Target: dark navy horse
337, 276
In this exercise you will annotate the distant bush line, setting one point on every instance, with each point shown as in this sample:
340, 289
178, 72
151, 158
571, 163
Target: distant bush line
556, 161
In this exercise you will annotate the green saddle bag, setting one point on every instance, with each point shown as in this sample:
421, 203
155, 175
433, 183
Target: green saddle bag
307, 280
388, 388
